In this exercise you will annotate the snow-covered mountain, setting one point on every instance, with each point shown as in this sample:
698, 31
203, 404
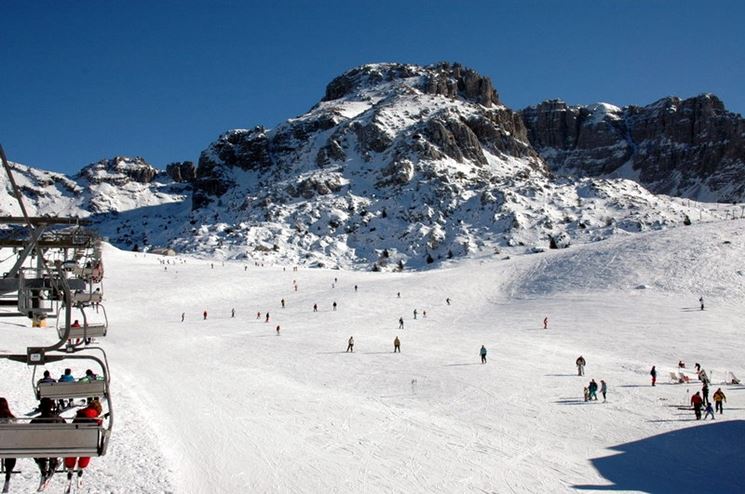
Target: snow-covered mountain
398, 165
692, 148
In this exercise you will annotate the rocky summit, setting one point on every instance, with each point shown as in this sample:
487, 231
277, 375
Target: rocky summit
403, 166
690, 148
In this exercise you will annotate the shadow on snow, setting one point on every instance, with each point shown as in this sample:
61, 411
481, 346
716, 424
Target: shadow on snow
662, 463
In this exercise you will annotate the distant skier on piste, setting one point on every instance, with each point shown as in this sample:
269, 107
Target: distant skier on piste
400, 323
482, 352
396, 345
350, 344
653, 373
701, 301
581, 365
545, 322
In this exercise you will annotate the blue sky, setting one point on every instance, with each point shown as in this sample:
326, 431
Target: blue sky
86, 80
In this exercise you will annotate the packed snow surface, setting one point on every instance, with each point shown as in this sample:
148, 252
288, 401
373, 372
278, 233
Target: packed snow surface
228, 405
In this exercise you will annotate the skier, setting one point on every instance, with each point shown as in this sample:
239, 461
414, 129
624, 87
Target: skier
718, 399
482, 352
183, 314
709, 411
400, 323
581, 365
232, 312
204, 315
46, 379
586, 393
681, 364
350, 345
698, 368
701, 301
87, 415
447, 300
334, 305
415, 313
424, 314
696, 402
355, 288
593, 389
277, 329
398, 295
283, 303
545, 322
653, 373
315, 307
47, 466
267, 317
705, 393
67, 377
7, 417
396, 345
603, 389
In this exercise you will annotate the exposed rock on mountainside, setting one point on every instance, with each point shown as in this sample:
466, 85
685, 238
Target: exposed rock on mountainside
183, 171
404, 166
691, 148
118, 171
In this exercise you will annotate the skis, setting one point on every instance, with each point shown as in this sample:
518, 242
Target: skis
45, 480
78, 481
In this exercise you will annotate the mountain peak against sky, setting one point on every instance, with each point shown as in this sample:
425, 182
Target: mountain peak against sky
447, 79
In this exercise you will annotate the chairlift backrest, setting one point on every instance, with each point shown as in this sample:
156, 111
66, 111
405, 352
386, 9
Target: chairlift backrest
77, 389
25, 440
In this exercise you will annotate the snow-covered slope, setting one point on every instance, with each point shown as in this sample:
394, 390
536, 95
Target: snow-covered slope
227, 405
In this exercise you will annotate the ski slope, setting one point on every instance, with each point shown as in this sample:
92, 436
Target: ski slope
227, 405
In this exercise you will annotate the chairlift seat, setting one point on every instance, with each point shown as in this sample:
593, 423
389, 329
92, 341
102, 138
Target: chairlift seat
77, 389
83, 298
25, 440
89, 331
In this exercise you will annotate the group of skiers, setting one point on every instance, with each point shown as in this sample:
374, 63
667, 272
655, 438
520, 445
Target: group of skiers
50, 413
591, 390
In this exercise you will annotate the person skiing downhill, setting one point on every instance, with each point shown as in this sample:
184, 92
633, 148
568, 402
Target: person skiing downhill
350, 344
315, 307
581, 365
545, 322
482, 352
653, 373
701, 301
277, 329
204, 315
415, 313
333, 306
396, 345
283, 303
718, 399
232, 312
183, 314
400, 323
267, 317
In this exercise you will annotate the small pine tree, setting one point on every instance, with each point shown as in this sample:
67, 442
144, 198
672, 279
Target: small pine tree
429, 259
450, 254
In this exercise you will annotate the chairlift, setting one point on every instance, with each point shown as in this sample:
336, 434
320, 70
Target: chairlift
82, 388
86, 329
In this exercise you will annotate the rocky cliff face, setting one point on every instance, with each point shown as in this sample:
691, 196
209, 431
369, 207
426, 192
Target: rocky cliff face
691, 148
419, 163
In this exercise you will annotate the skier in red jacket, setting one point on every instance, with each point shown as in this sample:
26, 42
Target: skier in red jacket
696, 402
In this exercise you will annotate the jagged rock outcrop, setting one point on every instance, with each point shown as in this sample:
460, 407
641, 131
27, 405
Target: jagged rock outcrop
119, 170
692, 148
182, 171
